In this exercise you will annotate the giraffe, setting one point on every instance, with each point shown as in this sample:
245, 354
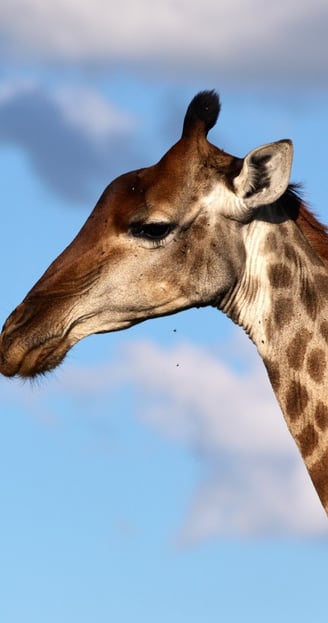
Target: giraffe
201, 227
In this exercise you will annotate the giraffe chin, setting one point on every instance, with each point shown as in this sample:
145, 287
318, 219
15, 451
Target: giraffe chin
15, 361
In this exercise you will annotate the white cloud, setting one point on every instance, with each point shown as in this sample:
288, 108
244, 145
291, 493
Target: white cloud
90, 112
254, 481
75, 138
244, 40
206, 403
253, 499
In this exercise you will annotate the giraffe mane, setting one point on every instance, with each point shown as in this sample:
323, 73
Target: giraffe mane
315, 232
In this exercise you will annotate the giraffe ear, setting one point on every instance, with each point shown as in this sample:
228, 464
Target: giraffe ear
265, 174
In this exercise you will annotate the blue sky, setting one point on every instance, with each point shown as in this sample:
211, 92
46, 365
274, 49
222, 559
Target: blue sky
150, 478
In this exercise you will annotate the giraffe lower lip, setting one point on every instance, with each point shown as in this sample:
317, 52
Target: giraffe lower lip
8, 368
10, 358
16, 361
40, 362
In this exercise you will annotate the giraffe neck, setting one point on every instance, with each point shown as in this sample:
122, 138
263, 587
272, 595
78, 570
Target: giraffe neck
282, 303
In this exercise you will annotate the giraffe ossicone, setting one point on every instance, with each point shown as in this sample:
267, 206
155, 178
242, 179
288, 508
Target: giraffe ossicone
200, 227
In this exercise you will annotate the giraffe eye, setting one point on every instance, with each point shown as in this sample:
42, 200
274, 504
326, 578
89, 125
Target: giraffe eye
152, 231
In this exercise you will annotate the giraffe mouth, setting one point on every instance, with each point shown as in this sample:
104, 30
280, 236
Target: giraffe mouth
29, 352
26, 351
17, 359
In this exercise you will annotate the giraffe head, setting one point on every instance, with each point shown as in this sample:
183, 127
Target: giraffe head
160, 239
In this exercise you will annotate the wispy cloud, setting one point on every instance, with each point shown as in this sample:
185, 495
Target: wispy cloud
73, 136
253, 480
254, 497
281, 43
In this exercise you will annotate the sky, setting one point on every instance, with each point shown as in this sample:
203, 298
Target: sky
151, 477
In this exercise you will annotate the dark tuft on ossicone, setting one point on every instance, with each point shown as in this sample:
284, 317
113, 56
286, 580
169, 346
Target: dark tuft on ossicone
204, 107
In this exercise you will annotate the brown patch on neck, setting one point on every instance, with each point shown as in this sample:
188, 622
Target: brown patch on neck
297, 349
321, 415
308, 440
319, 475
315, 232
316, 364
297, 399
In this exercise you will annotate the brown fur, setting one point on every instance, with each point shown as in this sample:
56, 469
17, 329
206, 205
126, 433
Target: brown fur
315, 232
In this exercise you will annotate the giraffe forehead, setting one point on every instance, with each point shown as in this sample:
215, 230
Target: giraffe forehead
171, 189
138, 197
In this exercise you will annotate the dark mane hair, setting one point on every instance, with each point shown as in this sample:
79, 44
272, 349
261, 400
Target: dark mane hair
315, 232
